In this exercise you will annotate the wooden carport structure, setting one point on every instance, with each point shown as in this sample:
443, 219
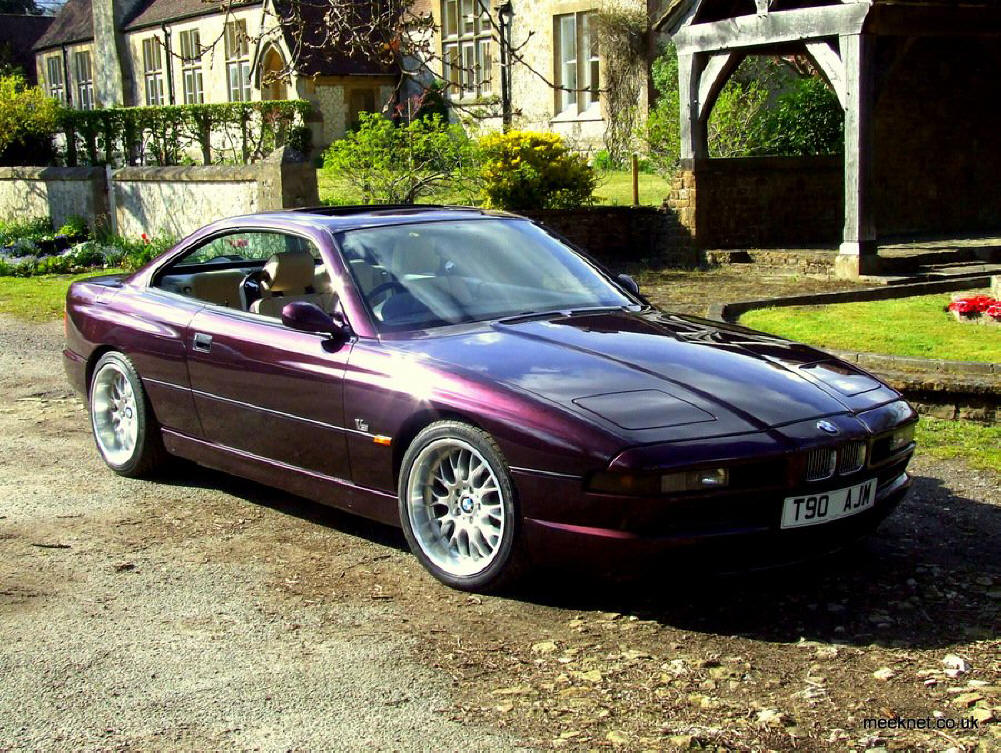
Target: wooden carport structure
858, 47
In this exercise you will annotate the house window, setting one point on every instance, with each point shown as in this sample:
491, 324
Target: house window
191, 67
54, 82
84, 70
153, 70
467, 45
576, 63
238, 61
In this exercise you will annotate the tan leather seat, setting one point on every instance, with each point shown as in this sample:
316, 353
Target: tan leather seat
221, 286
288, 277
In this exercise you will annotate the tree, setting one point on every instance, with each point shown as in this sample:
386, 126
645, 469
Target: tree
621, 35
769, 106
399, 163
27, 120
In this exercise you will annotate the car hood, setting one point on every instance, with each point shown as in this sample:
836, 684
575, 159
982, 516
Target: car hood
653, 376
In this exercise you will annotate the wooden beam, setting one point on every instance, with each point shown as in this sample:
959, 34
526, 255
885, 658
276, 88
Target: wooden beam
860, 228
717, 70
776, 27
827, 59
694, 141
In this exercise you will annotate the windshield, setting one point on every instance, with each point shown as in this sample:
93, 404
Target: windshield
434, 274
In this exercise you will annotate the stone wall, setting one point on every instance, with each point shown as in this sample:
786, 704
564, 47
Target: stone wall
619, 236
172, 201
759, 202
175, 201
55, 192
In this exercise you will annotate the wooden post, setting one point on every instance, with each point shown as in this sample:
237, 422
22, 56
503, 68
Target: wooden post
636, 181
858, 248
693, 132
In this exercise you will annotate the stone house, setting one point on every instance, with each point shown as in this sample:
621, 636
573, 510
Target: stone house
558, 81
106, 53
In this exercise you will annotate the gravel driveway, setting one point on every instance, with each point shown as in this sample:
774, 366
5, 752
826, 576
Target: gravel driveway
205, 612
146, 616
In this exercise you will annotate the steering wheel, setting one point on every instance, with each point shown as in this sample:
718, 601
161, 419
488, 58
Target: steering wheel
250, 286
383, 288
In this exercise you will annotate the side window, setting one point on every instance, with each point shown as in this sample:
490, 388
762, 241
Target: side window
238, 269
256, 246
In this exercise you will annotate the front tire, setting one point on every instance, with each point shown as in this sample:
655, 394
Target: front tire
125, 431
458, 507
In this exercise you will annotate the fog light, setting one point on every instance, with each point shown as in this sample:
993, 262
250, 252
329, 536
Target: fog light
901, 438
688, 481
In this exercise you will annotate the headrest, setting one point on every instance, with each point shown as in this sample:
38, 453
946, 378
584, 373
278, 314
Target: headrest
291, 271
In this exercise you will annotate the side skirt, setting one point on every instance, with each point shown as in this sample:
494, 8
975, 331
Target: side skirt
345, 495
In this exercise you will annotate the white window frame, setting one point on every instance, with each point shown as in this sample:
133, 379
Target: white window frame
83, 70
467, 48
152, 49
576, 64
55, 83
237, 43
192, 83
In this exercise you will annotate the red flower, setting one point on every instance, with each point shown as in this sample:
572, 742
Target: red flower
994, 311
971, 305
145, 238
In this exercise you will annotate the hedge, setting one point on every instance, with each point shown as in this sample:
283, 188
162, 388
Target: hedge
164, 134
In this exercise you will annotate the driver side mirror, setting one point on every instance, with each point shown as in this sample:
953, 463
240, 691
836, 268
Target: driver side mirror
629, 284
308, 317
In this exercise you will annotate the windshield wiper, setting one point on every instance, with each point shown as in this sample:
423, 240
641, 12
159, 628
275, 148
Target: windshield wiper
529, 316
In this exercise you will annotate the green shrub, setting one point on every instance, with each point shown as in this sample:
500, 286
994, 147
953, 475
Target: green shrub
28, 120
163, 134
74, 227
808, 120
400, 163
529, 170
33, 229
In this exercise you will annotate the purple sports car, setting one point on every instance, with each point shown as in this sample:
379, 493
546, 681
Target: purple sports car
472, 377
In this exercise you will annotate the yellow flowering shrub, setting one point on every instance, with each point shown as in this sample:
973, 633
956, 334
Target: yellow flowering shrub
533, 170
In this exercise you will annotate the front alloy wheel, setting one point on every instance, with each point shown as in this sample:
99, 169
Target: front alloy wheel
125, 429
457, 506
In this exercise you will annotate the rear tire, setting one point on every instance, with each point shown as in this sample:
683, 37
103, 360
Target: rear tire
125, 430
458, 507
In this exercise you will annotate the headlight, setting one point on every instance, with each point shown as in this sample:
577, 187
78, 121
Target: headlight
901, 438
648, 485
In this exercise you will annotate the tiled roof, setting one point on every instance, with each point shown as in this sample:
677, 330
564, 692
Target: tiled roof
304, 31
73, 23
161, 11
18, 33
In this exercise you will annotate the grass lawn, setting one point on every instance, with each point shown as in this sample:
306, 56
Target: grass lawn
41, 298
976, 444
615, 188
916, 326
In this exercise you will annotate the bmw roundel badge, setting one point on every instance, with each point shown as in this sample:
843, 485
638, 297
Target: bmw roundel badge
828, 427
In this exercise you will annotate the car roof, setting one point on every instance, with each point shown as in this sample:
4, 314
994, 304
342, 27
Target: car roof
340, 218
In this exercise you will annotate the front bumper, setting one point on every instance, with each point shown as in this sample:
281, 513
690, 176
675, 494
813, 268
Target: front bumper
740, 531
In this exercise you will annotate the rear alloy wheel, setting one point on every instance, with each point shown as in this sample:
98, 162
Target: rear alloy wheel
126, 433
457, 507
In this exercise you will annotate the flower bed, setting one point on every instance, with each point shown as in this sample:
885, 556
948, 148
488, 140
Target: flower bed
978, 309
33, 248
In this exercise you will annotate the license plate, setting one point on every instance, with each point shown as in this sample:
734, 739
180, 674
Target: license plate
813, 509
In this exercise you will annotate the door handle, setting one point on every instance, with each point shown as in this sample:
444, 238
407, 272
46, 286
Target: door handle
202, 342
